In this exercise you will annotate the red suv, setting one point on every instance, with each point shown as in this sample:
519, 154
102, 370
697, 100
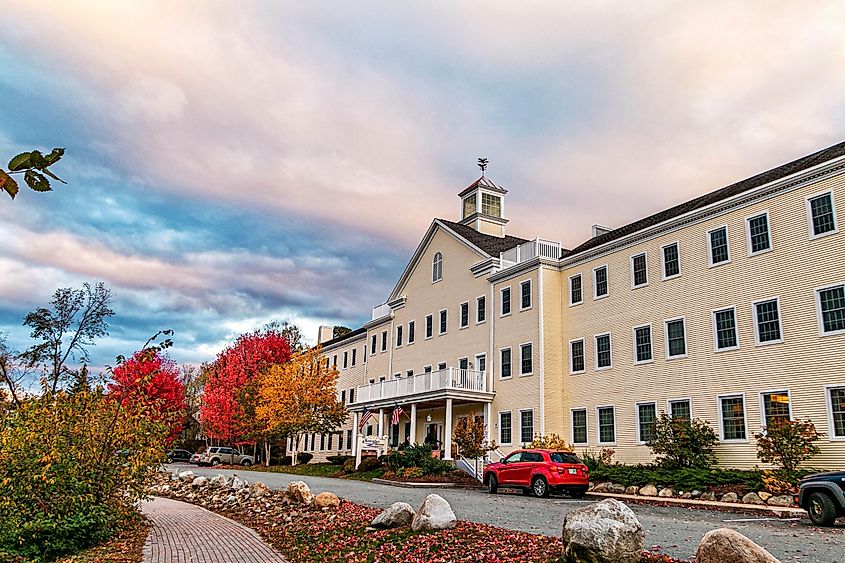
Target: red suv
540, 472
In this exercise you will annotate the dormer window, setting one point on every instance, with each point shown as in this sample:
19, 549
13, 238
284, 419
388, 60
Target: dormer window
469, 206
491, 205
437, 268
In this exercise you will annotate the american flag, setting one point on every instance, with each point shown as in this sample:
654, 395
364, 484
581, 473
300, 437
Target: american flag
397, 413
365, 416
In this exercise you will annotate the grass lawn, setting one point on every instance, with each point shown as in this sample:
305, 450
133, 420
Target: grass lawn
315, 470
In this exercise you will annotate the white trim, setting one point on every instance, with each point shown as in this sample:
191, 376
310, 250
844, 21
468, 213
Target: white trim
650, 344
521, 441
810, 228
644, 254
820, 318
477, 299
722, 422
425, 327
666, 338
757, 325
679, 400
502, 301
499, 425
596, 351
501, 363
829, 404
530, 293
573, 303
440, 331
464, 358
414, 332
531, 343
763, 405
716, 333
663, 275
586, 425
748, 232
481, 355
436, 267
541, 351
710, 262
583, 356
598, 426
396, 343
640, 440
462, 326
430, 368
606, 282
385, 344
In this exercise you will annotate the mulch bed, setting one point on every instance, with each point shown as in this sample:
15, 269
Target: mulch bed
126, 547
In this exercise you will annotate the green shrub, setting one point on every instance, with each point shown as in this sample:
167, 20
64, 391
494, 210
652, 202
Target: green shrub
368, 464
304, 457
418, 455
679, 442
338, 459
410, 472
787, 444
682, 479
349, 465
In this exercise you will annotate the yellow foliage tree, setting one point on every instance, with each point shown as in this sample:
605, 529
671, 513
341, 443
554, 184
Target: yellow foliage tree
551, 442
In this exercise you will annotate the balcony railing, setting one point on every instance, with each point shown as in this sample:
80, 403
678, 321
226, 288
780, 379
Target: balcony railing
449, 378
531, 249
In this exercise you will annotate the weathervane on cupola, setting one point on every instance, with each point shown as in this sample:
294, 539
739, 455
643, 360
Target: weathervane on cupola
482, 163
482, 204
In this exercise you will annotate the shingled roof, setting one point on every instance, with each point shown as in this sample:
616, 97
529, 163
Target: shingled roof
488, 243
714, 197
347, 336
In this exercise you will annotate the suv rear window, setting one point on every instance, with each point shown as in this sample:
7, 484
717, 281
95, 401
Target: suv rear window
564, 457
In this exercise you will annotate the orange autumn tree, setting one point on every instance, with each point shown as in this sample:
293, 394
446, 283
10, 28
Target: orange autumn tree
298, 397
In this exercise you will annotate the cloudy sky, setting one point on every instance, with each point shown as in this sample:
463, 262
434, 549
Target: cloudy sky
229, 164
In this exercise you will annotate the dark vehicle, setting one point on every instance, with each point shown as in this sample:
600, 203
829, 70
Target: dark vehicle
823, 496
539, 472
178, 455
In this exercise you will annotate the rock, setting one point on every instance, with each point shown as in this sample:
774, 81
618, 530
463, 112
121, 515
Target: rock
397, 515
723, 544
686, 495
217, 481
326, 500
259, 490
616, 489
695, 493
781, 500
666, 493
186, 476
729, 497
632, 490
649, 491
605, 532
237, 484
708, 496
764, 496
299, 492
752, 498
601, 487
434, 514
591, 486
199, 482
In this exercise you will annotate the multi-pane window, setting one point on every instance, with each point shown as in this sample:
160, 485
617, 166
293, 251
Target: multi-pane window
506, 300
724, 326
603, 357
639, 273
607, 425
437, 268
469, 205
831, 302
776, 407
576, 356
642, 343
575, 291
676, 341
525, 294
671, 260
758, 234
481, 309
491, 205
345, 360
767, 321
481, 362
464, 315
579, 426
349, 439
352, 395
411, 336
527, 361
443, 321
384, 341
646, 420
718, 239
429, 326
680, 409
399, 336
505, 427
733, 417
373, 344
837, 411
822, 215
441, 366
526, 426
600, 281
463, 363
506, 363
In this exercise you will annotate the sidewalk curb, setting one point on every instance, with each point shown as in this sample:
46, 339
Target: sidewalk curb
779, 511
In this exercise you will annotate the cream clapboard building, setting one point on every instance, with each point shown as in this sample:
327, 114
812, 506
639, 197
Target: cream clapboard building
728, 308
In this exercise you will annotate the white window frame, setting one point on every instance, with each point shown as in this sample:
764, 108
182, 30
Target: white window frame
663, 275
679, 400
530, 295
586, 425
748, 232
757, 325
584, 356
520, 359
500, 428
520, 425
596, 351
598, 426
710, 262
809, 209
644, 254
477, 356
595, 285
461, 359
502, 301
640, 440
461, 316
716, 333
477, 299
425, 326
571, 302
399, 328
763, 405
385, 342
817, 294
440, 331
428, 368
829, 404
666, 338
721, 419
412, 332
651, 344
437, 267
501, 363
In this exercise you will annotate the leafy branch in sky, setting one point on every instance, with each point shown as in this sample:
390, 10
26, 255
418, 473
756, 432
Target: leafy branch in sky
35, 168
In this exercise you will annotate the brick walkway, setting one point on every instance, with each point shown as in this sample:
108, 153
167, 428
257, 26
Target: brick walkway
183, 532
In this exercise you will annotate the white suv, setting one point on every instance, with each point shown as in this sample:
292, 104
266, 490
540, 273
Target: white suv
228, 456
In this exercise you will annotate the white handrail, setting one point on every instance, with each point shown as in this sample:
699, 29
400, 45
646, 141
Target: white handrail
449, 378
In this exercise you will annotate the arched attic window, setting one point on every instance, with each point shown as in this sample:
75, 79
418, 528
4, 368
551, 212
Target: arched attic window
437, 268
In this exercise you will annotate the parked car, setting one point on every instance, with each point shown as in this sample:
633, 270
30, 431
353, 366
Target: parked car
178, 454
195, 459
539, 472
822, 495
228, 456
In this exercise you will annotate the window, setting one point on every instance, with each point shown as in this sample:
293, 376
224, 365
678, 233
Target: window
322, 441
331, 439
775, 407
505, 365
441, 366
603, 356
354, 353
443, 321
830, 305
717, 241
724, 329
463, 363
429, 326
836, 395
505, 427
600, 282
642, 344
399, 336
464, 315
427, 369
481, 362
526, 426
334, 361
646, 420
676, 339
639, 273
365, 353
680, 409
579, 426
437, 268
757, 233
506, 301
352, 395
606, 419
411, 336
373, 345
576, 356
384, 341
481, 309
525, 294
343, 397
671, 261
527, 363
369, 430
575, 294
767, 321
491, 205
394, 435
345, 360
732, 414
349, 439
409, 373
821, 215
470, 206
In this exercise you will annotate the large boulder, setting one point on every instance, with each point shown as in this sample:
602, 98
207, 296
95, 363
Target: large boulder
708, 496
723, 545
199, 482
237, 483
434, 514
632, 490
752, 498
186, 476
217, 481
299, 492
397, 515
665, 493
602, 487
326, 500
605, 532
781, 500
616, 489
729, 497
259, 490
649, 491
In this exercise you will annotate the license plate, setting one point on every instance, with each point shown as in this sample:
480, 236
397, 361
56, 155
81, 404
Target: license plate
573, 471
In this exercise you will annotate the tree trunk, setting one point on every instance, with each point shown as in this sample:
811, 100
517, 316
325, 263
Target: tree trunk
267, 451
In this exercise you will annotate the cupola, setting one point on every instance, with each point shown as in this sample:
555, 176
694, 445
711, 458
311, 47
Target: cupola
483, 205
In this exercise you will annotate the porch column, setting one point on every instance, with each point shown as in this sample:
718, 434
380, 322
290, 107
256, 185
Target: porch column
413, 439
355, 416
488, 436
380, 423
447, 429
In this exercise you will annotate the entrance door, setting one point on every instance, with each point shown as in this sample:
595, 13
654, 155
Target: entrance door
434, 430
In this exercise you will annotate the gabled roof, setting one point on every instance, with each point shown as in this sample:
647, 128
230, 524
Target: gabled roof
347, 336
490, 244
485, 183
714, 197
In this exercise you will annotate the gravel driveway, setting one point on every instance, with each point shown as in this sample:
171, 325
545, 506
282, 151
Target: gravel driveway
676, 530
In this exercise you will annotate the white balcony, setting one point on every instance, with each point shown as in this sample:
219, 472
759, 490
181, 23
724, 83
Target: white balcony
455, 382
380, 311
528, 250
